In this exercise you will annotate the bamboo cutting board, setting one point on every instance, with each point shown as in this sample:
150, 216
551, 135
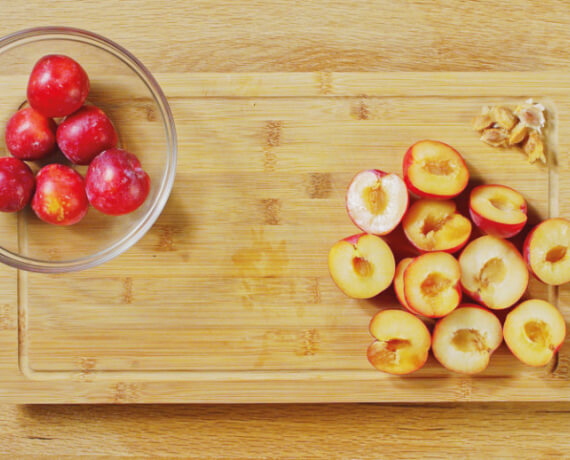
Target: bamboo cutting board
228, 297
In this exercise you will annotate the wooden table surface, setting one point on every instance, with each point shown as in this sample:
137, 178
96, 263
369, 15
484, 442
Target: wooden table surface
216, 35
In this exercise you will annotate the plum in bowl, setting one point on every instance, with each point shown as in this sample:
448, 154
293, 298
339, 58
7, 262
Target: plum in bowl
129, 95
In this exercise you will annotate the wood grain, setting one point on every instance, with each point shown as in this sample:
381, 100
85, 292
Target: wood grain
240, 306
284, 431
228, 36
323, 36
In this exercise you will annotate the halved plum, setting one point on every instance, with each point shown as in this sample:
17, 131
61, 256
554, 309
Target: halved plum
433, 169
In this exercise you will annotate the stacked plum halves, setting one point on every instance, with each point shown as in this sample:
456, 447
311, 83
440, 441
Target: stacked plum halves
489, 269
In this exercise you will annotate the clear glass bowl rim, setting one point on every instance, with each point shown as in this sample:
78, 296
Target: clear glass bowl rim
167, 181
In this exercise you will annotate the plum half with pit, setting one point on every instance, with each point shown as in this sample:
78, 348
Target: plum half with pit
60, 197
30, 135
116, 182
86, 133
58, 86
16, 184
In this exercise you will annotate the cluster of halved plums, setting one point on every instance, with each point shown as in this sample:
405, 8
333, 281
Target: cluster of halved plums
489, 269
115, 182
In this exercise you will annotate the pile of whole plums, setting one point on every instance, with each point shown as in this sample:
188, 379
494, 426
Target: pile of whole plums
115, 182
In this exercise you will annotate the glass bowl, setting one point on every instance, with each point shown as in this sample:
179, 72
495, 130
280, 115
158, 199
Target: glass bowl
131, 97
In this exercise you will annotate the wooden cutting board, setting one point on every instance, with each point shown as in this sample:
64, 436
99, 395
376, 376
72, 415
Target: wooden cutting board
228, 297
